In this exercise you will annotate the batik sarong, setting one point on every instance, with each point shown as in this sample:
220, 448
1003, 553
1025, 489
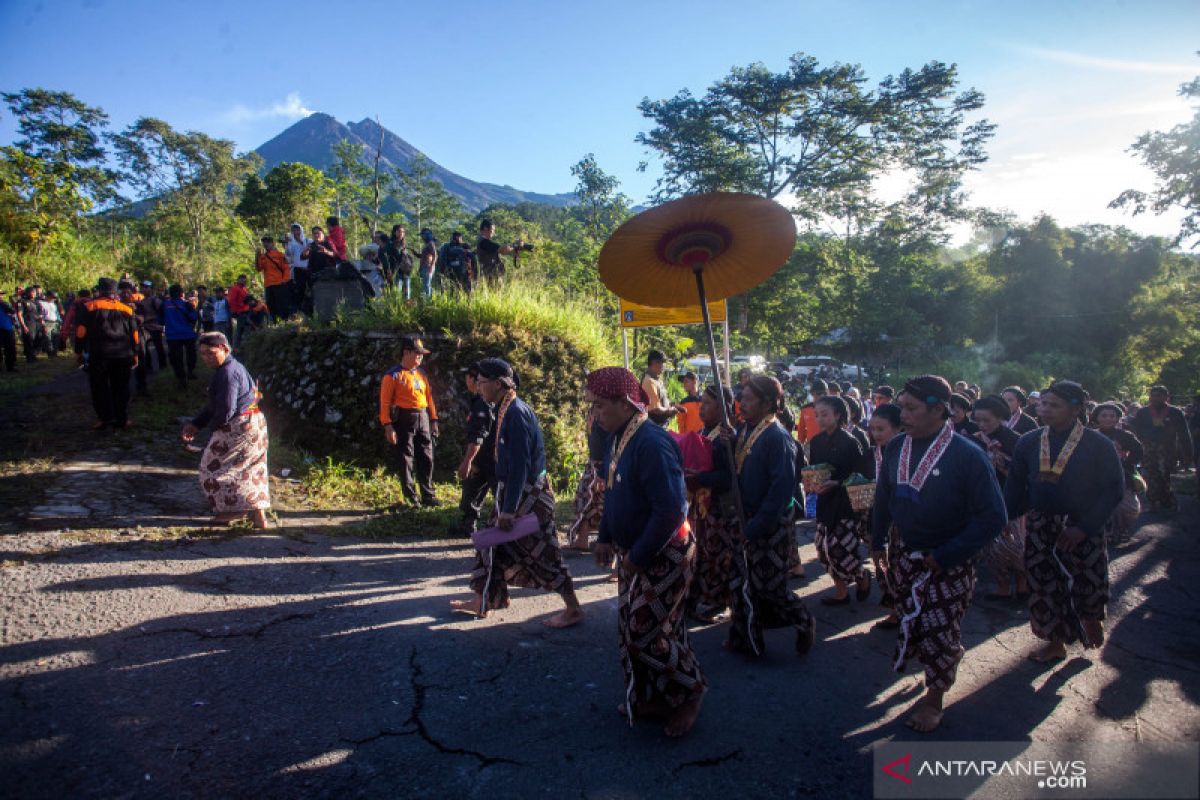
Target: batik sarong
761, 598
931, 609
233, 468
714, 565
589, 503
1064, 588
1157, 463
1005, 555
838, 549
531, 562
1121, 524
659, 664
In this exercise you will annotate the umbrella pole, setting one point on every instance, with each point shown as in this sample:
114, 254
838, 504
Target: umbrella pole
698, 271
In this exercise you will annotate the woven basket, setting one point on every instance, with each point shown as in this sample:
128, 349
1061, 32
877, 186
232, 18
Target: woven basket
813, 478
862, 496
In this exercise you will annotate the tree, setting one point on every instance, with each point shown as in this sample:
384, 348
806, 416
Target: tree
425, 199
1174, 158
812, 130
290, 192
189, 173
56, 173
603, 207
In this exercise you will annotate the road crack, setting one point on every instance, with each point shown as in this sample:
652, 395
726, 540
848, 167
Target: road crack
253, 633
414, 718
711, 761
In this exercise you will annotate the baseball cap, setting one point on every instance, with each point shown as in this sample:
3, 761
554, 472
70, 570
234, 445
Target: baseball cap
414, 343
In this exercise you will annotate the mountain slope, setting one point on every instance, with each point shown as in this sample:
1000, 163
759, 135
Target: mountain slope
311, 141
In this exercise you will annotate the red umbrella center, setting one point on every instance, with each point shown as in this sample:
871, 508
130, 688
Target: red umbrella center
694, 244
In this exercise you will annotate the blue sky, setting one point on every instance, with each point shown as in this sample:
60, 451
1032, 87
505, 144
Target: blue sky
516, 92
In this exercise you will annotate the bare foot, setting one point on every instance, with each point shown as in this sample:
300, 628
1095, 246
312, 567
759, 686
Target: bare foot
469, 606
797, 571
1094, 629
613, 578
259, 517
565, 618
1054, 651
684, 717
925, 716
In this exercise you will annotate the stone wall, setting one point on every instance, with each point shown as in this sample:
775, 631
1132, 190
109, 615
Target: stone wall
321, 389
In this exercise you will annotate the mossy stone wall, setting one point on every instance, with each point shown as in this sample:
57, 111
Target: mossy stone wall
321, 389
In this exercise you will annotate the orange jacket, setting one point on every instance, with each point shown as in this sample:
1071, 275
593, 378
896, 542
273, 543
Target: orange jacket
806, 425
274, 267
689, 420
407, 389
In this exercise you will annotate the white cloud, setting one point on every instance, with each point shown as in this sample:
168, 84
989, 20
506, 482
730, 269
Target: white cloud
1110, 64
292, 107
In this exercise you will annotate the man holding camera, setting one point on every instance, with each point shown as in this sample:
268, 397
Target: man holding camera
491, 266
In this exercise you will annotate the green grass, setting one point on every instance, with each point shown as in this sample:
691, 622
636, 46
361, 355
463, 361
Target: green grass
535, 309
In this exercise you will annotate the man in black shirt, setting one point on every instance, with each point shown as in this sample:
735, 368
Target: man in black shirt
491, 267
477, 470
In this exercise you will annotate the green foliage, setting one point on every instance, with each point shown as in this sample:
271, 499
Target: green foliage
814, 132
426, 201
1174, 158
290, 192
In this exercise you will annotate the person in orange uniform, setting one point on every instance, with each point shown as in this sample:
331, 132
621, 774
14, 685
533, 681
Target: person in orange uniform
689, 417
107, 332
277, 278
806, 426
409, 418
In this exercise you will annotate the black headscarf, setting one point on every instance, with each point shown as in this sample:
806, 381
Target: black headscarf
932, 390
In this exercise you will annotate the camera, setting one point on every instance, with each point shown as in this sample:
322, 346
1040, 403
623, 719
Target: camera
524, 247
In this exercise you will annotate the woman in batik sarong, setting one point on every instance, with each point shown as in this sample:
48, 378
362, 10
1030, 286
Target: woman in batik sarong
1005, 557
883, 427
1069, 479
522, 487
710, 518
1106, 418
233, 467
937, 505
837, 539
644, 526
765, 466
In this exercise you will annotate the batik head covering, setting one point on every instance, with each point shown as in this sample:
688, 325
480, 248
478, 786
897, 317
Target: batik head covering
617, 383
932, 390
497, 369
1070, 391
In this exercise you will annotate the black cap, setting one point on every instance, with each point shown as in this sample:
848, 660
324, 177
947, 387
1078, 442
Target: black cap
414, 343
495, 369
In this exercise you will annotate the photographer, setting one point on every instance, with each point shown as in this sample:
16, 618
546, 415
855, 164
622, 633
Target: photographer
491, 267
457, 262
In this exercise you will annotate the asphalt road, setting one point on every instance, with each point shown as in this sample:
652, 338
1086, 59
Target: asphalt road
304, 665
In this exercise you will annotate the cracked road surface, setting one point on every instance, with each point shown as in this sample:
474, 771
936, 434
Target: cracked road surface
304, 665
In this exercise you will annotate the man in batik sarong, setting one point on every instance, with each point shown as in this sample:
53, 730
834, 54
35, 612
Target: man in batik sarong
589, 495
765, 469
233, 467
936, 495
522, 487
644, 527
1163, 431
1069, 479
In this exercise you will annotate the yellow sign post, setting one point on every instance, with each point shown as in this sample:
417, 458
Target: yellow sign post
634, 315
639, 316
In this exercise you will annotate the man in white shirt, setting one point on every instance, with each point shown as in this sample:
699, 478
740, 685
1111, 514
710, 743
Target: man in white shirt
297, 243
218, 309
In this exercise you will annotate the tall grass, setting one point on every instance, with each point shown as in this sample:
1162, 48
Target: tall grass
536, 309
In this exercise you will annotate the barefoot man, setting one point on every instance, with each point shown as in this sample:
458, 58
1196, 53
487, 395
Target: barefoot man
645, 508
1070, 484
939, 491
521, 488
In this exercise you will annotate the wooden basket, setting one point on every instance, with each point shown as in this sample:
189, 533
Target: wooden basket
862, 496
812, 478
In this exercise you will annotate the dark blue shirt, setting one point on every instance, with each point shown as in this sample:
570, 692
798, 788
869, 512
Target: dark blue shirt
231, 392
481, 430
6, 316
1088, 491
647, 501
842, 451
957, 512
767, 479
521, 454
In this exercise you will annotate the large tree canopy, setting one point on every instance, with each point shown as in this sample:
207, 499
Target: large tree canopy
816, 133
